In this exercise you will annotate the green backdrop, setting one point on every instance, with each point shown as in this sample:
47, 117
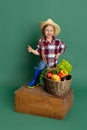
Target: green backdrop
19, 26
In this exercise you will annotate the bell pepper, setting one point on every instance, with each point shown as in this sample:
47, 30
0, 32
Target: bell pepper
64, 72
55, 77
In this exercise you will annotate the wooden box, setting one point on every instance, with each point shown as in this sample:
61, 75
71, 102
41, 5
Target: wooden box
37, 101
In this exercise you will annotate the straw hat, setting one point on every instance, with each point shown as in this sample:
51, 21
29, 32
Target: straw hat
50, 22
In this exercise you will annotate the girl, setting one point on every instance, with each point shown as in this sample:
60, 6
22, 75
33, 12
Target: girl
48, 48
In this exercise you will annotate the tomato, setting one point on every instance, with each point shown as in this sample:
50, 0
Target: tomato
49, 75
60, 74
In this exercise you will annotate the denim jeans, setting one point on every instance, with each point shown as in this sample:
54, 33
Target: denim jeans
42, 65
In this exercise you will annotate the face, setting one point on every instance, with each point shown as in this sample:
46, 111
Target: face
49, 31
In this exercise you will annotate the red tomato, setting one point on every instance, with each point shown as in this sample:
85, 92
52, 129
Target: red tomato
60, 74
49, 75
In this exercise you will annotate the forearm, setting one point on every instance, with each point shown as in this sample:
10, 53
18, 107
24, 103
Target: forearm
35, 52
57, 56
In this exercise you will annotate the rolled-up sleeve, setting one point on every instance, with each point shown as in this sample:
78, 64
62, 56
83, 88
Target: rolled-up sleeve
62, 47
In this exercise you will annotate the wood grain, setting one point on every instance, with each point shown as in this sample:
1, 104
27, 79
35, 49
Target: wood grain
37, 101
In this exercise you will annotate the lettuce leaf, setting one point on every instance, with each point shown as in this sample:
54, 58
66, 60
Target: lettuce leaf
64, 65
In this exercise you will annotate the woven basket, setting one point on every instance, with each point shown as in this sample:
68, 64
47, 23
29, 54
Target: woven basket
57, 88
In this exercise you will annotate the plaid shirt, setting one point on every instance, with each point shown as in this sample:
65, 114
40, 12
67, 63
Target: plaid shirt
50, 50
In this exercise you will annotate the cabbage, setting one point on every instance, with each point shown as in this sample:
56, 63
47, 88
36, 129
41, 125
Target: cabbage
64, 65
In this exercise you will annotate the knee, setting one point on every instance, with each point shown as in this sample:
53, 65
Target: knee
42, 65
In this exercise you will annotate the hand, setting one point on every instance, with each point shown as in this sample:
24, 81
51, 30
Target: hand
30, 49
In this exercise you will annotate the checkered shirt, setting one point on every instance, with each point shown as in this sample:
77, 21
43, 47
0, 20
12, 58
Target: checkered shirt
50, 50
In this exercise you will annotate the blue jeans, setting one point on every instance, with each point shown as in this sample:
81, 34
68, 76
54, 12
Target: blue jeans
42, 65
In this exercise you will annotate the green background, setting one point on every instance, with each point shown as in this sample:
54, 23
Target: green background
19, 26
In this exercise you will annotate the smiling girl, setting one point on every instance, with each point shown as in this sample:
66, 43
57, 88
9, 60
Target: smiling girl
49, 49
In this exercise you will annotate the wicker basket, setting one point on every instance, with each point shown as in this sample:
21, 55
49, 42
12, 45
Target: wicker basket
57, 88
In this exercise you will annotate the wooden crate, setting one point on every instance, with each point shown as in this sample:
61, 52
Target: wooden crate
37, 101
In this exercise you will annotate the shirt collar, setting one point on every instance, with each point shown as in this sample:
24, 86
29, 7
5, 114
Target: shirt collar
46, 39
